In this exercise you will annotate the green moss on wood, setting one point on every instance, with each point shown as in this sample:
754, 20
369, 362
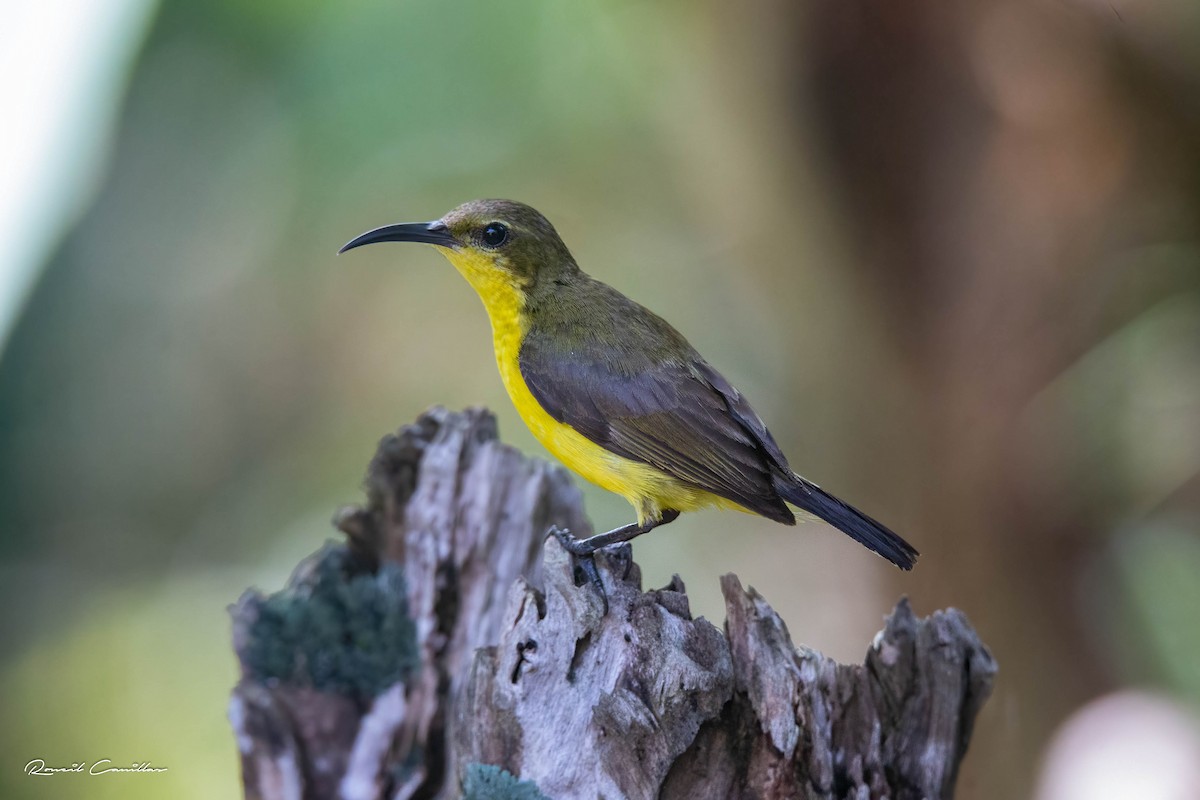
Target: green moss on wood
333, 629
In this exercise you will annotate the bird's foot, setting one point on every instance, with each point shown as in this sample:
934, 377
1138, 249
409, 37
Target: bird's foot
573, 545
584, 556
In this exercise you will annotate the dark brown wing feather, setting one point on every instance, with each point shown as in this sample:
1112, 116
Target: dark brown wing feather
660, 405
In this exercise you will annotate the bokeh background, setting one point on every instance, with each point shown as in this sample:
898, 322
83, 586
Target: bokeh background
950, 250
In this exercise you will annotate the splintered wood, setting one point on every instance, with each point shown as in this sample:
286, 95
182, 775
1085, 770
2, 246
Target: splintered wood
518, 667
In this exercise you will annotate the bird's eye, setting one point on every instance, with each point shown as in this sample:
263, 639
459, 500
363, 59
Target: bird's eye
494, 235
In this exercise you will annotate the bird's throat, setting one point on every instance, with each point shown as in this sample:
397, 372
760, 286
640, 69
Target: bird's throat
505, 304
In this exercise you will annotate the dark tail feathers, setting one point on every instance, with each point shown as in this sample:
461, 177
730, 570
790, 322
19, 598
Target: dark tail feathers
847, 519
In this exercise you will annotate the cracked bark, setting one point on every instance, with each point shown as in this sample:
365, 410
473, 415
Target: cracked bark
517, 666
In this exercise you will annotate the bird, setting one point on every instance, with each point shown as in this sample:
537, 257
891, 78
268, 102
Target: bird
615, 392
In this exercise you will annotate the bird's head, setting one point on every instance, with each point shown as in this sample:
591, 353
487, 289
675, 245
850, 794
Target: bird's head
494, 243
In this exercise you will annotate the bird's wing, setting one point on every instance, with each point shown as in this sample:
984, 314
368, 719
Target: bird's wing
676, 414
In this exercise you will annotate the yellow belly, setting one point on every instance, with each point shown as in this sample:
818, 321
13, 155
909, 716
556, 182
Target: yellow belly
649, 490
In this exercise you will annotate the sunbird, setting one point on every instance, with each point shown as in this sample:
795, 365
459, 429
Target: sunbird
615, 392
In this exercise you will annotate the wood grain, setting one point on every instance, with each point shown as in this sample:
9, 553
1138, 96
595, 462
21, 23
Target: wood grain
517, 666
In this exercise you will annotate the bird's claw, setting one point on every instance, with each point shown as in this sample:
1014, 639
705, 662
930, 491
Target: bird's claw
576, 547
584, 557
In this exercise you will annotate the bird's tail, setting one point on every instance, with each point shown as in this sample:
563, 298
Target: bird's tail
846, 518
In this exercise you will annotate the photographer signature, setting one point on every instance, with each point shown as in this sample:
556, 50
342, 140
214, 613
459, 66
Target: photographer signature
102, 767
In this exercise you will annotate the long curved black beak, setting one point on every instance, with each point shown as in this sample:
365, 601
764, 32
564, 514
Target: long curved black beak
423, 232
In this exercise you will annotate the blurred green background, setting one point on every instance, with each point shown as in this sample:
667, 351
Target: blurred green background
951, 252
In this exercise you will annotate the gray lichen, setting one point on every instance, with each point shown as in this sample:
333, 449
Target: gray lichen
485, 782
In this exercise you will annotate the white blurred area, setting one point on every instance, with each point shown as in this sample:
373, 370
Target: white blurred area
1122, 746
62, 68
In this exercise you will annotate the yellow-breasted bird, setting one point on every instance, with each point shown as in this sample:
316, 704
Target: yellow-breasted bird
614, 391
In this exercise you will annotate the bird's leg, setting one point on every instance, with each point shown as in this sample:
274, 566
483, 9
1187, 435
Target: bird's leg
585, 547
584, 550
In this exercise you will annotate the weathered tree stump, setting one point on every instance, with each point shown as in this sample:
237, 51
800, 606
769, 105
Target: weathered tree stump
448, 649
